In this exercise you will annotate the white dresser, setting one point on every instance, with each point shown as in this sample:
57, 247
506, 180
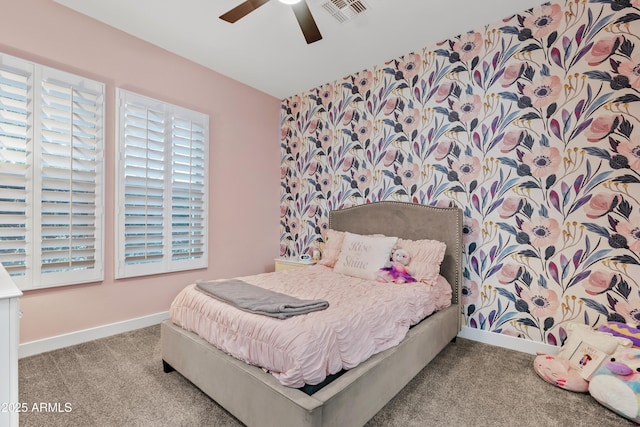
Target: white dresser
9, 322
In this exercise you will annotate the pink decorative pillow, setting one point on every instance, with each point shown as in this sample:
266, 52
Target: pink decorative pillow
426, 257
362, 256
332, 247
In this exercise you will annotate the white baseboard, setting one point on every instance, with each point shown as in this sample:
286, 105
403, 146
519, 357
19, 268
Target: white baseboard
506, 341
53, 343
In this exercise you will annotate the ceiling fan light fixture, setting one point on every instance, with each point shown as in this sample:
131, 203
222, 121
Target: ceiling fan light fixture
300, 10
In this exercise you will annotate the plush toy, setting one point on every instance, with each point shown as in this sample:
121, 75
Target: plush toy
623, 330
572, 367
396, 269
579, 333
616, 384
559, 372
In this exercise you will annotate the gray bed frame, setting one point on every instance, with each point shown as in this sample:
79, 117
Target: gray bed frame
256, 398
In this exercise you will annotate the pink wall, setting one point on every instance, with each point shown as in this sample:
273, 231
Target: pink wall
244, 194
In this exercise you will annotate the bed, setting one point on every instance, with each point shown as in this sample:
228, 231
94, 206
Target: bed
257, 398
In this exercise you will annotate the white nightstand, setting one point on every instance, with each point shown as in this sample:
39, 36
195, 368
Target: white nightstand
291, 263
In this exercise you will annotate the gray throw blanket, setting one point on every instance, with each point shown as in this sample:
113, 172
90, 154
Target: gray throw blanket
255, 299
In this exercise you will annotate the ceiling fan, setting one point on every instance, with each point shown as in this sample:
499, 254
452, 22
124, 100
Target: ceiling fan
300, 9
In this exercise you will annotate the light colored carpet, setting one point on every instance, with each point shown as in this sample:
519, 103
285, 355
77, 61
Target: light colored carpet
119, 381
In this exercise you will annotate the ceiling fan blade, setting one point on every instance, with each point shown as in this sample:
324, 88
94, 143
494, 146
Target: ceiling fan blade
242, 10
306, 21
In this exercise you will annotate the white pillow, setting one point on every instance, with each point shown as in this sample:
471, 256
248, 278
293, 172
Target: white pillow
362, 256
579, 332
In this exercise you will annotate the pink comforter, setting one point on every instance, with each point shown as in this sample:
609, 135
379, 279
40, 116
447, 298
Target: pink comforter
364, 318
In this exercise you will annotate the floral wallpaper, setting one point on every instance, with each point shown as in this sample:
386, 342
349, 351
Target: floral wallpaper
529, 125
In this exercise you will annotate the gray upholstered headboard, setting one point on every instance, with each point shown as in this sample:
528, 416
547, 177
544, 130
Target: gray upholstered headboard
409, 221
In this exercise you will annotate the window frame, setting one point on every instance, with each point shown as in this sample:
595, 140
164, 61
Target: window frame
45, 109
166, 262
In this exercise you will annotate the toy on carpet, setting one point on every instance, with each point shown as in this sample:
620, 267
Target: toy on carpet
616, 384
396, 269
579, 357
623, 330
578, 333
559, 372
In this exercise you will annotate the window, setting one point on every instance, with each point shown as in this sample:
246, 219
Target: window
51, 175
161, 198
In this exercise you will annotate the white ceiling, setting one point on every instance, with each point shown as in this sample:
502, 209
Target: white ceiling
266, 49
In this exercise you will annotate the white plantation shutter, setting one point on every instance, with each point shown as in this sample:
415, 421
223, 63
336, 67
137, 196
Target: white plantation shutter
16, 128
162, 186
71, 185
144, 185
51, 175
188, 190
